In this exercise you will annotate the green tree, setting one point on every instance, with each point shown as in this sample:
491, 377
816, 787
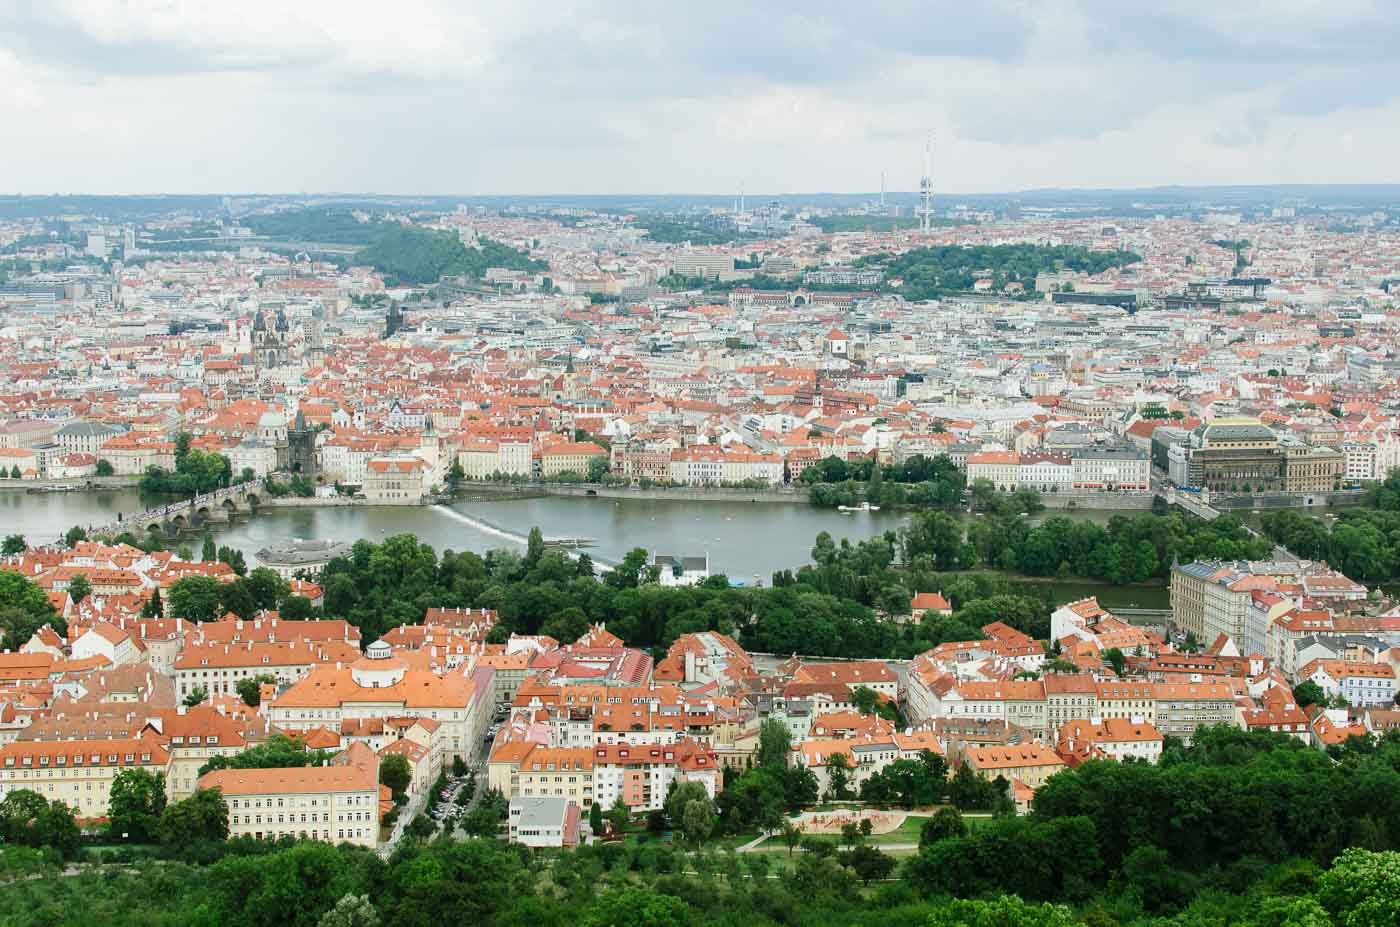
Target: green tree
774, 744
631, 572
266, 587
697, 821
395, 773
1362, 889
201, 817
597, 469
682, 794
208, 552
18, 812
135, 804
75, 534
945, 823
1308, 693
233, 558
838, 777
351, 911
869, 864
620, 816
1006, 911
421, 827
79, 588
14, 544
1114, 658
296, 608
534, 547
153, 607
595, 819
196, 598
104, 467
24, 608
634, 906
197, 696
791, 835
277, 752
250, 688
800, 787
27, 818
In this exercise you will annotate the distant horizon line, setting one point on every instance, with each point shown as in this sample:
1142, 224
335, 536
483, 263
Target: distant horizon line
750, 195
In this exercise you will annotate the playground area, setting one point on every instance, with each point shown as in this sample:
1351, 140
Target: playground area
831, 822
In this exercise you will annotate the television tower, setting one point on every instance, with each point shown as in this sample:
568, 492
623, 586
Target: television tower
882, 191
926, 188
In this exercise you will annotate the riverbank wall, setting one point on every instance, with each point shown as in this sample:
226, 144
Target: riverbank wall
1271, 501
1127, 502
81, 482
325, 502
602, 491
1138, 502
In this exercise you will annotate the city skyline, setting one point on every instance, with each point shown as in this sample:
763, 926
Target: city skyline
529, 100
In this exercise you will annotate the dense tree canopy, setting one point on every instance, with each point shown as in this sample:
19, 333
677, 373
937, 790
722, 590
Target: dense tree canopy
24, 609
922, 482
195, 471
407, 254
1128, 549
929, 273
1364, 543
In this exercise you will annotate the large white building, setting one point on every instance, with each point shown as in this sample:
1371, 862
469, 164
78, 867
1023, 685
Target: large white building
338, 803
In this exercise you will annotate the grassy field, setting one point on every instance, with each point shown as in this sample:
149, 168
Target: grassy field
908, 832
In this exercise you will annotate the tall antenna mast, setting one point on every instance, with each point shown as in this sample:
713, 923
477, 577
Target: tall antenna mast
926, 188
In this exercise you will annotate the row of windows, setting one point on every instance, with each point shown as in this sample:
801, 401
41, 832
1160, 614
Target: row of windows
101, 772
292, 818
341, 834
295, 803
62, 759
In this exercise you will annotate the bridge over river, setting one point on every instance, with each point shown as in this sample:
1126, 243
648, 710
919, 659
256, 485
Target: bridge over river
188, 515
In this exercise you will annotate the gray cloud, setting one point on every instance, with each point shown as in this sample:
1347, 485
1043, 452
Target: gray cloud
607, 94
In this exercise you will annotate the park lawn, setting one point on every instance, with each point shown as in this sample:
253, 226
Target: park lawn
908, 832
735, 841
974, 821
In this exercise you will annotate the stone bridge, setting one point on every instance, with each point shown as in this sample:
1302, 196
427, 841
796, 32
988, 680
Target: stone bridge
189, 515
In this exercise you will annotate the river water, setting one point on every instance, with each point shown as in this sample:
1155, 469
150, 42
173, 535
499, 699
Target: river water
744, 540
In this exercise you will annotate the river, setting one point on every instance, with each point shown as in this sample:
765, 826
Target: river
744, 540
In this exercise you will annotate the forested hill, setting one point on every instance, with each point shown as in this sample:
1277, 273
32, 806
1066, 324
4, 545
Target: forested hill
405, 254
929, 273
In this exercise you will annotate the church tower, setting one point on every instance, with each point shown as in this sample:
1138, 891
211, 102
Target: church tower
301, 447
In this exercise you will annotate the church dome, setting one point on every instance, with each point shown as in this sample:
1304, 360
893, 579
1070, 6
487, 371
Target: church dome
378, 668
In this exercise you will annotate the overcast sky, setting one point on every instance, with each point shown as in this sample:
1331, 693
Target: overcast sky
473, 96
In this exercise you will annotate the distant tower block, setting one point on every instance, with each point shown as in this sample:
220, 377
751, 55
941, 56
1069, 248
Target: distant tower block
926, 189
